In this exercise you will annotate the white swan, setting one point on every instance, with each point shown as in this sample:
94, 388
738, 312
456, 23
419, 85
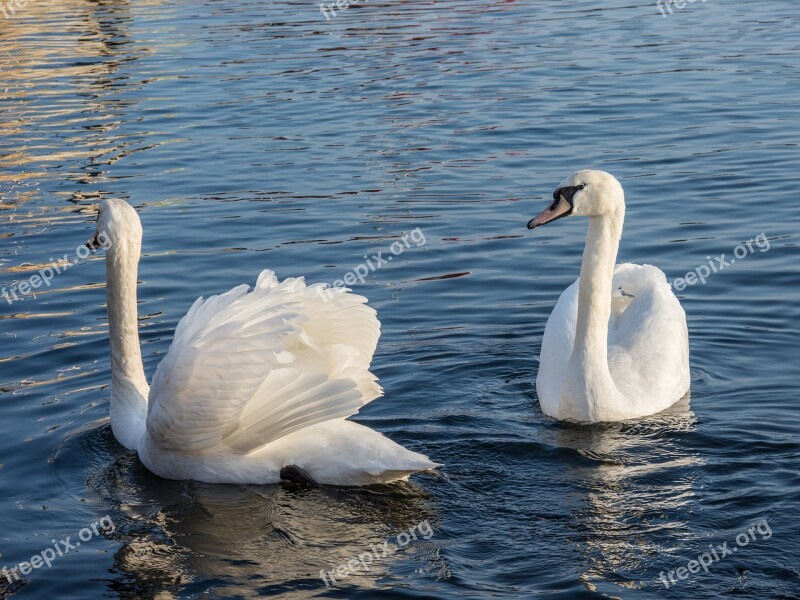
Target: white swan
256, 384
616, 345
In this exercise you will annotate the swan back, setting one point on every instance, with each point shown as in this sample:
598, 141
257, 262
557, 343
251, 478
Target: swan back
648, 340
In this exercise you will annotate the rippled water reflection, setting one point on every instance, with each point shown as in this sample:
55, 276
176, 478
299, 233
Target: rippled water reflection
253, 135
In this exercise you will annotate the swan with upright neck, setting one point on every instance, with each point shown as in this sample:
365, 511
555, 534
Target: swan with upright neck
256, 384
616, 345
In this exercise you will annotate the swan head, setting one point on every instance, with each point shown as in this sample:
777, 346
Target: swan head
587, 193
118, 226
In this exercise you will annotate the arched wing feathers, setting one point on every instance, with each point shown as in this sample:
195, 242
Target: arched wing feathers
248, 367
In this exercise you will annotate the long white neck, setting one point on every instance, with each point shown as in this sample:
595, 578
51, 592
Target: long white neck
590, 385
129, 389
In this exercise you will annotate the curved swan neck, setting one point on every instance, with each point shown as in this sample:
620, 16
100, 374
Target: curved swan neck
129, 389
594, 292
590, 390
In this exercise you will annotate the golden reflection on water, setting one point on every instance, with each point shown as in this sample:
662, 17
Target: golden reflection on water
60, 65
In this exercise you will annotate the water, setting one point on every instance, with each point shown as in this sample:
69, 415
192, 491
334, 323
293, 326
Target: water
259, 134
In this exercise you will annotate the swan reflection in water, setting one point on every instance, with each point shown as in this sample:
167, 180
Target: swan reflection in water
233, 539
636, 483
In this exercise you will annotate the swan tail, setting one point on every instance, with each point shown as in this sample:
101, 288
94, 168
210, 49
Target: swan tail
348, 453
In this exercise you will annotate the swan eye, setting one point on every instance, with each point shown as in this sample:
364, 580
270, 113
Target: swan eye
567, 192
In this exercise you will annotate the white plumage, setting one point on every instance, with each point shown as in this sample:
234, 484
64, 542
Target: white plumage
254, 380
647, 344
616, 345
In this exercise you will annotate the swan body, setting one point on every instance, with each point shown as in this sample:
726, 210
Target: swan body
616, 345
254, 381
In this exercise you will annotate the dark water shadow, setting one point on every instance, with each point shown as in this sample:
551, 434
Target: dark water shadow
192, 537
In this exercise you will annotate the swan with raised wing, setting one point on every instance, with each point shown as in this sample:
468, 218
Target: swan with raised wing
256, 384
616, 345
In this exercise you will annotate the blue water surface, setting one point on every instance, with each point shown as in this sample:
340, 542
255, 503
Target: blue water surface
253, 135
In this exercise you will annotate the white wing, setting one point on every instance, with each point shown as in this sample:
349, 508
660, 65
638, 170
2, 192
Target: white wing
248, 367
648, 340
346, 332
557, 344
648, 348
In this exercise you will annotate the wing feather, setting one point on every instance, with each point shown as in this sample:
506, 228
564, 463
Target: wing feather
249, 366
